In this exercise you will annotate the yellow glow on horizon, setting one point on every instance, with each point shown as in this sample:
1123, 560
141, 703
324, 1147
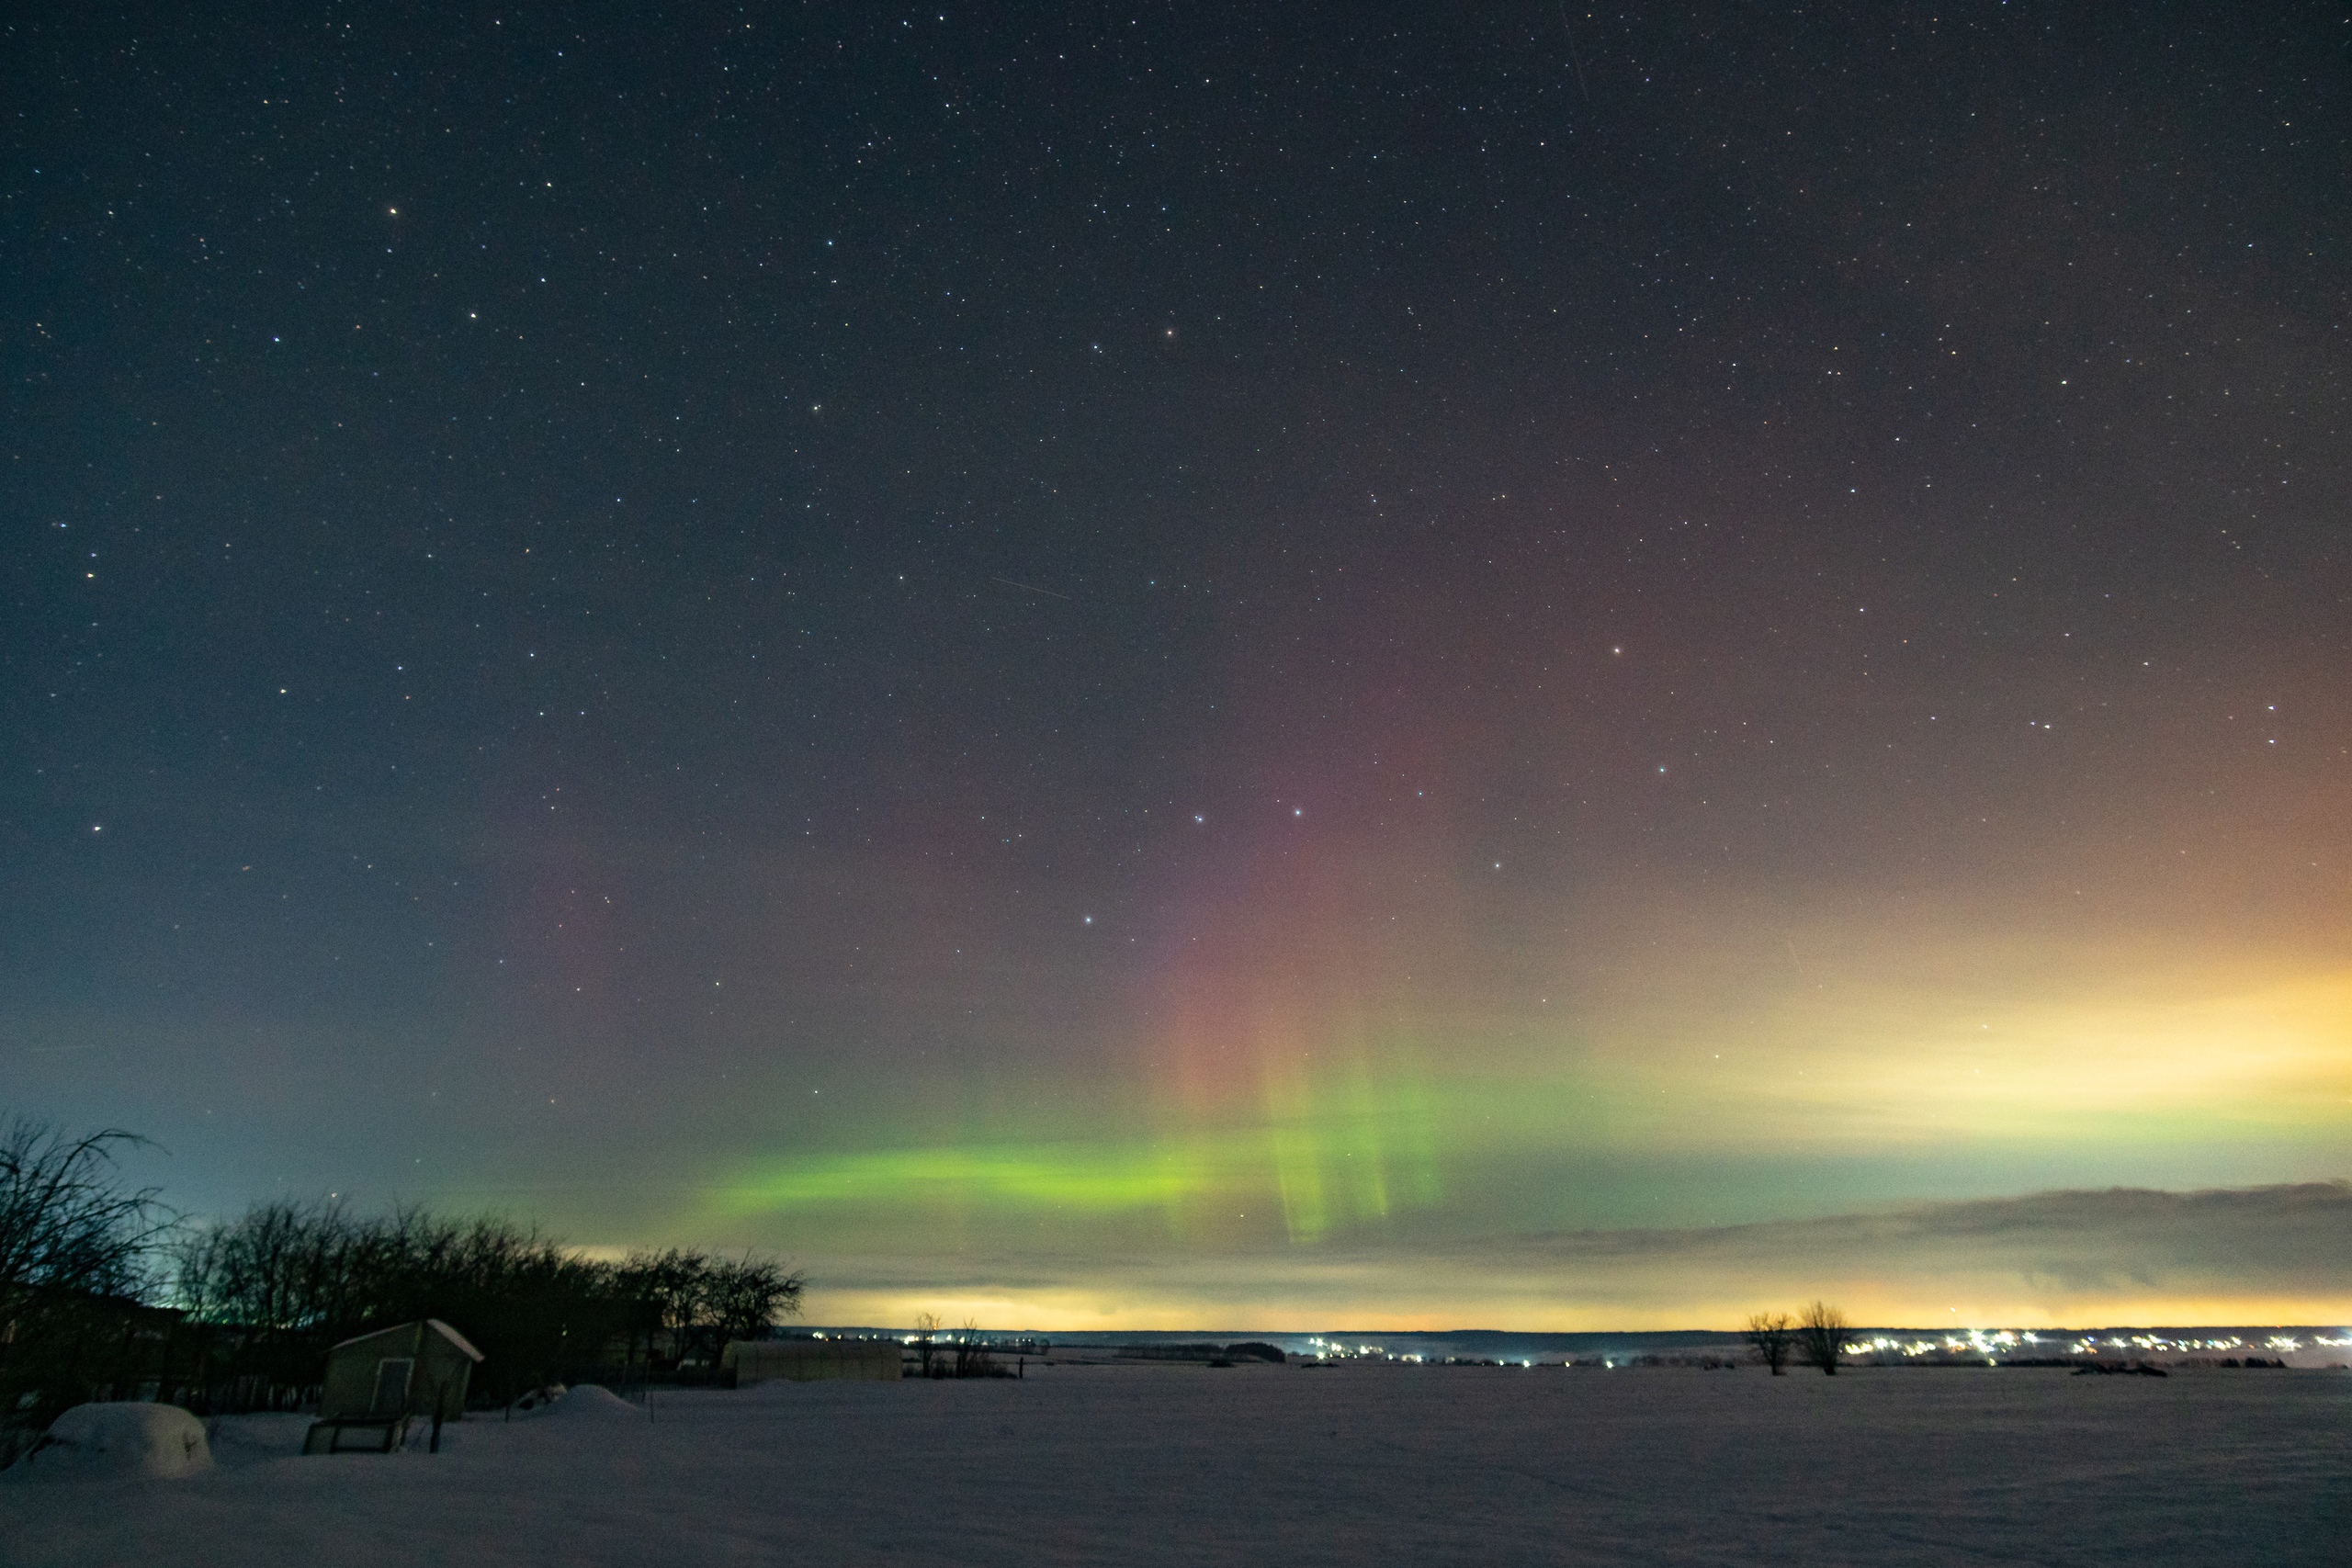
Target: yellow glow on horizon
2164, 1059
1083, 1310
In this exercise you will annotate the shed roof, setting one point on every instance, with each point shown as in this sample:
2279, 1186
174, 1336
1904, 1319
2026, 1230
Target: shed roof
434, 1324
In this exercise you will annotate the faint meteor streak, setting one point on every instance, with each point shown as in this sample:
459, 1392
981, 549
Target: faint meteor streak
1573, 59
1031, 587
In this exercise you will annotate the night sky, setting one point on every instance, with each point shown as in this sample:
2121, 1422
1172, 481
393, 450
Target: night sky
1254, 666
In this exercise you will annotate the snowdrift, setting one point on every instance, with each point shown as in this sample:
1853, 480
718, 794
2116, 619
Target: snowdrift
593, 1402
91, 1441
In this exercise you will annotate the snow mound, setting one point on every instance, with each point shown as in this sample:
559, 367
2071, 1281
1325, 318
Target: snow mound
156, 1441
594, 1402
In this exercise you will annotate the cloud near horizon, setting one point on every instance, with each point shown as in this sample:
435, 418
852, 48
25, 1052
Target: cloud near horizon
2057, 1259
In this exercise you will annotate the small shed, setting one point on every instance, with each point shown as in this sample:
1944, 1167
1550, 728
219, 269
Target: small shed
806, 1361
376, 1383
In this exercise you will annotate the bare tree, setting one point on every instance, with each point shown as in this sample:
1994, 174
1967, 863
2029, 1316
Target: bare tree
66, 1220
1821, 1336
926, 1338
973, 1357
72, 1233
283, 1267
675, 1283
1773, 1337
743, 1300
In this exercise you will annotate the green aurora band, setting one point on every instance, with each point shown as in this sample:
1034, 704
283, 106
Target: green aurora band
1333, 1160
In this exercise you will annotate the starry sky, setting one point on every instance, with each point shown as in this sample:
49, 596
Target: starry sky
1166, 666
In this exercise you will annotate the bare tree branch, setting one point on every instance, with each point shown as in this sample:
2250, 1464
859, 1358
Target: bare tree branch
1821, 1336
1772, 1335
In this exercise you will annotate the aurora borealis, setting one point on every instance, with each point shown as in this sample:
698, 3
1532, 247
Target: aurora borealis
1204, 668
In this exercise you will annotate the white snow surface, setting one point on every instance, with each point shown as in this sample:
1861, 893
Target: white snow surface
158, 1441
1283, 1465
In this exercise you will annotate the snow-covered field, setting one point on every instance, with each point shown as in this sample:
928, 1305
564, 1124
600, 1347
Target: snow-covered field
1284, 1465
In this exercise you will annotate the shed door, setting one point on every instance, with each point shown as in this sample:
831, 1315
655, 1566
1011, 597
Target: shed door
391, 1385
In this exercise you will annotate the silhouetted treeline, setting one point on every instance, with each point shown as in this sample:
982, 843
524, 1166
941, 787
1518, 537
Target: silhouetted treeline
276, 1287
1189, 1351
105, 1294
